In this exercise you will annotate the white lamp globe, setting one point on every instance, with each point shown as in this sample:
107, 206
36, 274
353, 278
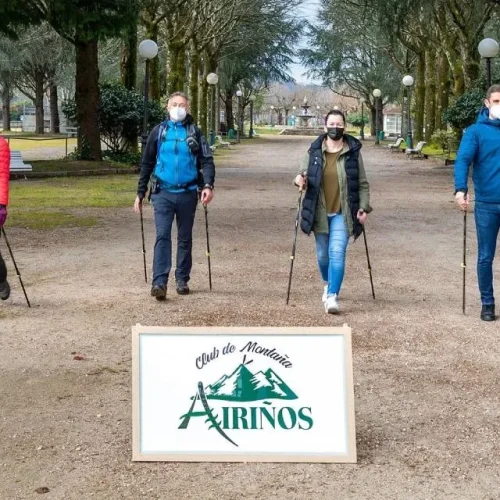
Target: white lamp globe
377, 93
148, 49
408, 81
239, 93
212, 79
488, 48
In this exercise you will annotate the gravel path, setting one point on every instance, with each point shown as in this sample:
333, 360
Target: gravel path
427, 380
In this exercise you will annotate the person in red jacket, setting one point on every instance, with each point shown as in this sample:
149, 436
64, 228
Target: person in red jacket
4, 201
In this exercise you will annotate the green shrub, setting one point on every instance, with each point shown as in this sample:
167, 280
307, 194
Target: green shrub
356, 120
463, 112
443, 138
120, 116
126, 157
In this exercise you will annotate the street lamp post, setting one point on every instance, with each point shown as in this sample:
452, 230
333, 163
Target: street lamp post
362, 131
252, 100
272, 109
377, 93
408, 82
488, 48
239, 93
147, 50
212, 80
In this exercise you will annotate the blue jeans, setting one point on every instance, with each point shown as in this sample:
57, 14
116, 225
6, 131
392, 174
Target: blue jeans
487, 216
182, 206
331, 251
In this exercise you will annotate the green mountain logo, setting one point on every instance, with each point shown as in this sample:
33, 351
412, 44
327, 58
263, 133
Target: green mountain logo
243, 385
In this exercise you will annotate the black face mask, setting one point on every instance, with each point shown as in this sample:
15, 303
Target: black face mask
335, 133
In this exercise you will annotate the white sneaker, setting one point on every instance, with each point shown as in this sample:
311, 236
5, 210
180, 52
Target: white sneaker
325, 293
331, 304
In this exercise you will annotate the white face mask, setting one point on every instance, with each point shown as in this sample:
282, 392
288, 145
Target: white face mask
177, 114
495, 111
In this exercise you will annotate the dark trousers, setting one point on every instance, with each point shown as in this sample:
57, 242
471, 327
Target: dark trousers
182, 206
3, 270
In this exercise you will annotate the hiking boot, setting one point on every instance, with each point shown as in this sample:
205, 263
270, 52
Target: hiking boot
4, 290
181, 287
488, 312
325, 293
159, 292
332, 304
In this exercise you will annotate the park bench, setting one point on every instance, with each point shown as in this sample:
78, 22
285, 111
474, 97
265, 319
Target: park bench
222, 143
417, 151
72, 131
396, 145
17, 164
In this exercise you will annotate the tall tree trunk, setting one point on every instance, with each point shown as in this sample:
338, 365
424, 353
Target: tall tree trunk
54, 109
87, 99
373, 118
229, 109
181, 69
470, 60
430, 96
420, 98
217, 109
6, 105
39, 115
209, 66
177, 64
203, 123
129, 79
241, 115
193, 82
129, 57
443, 90
154, 64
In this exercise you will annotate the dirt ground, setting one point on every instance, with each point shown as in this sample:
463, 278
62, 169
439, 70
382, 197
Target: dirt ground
427, 378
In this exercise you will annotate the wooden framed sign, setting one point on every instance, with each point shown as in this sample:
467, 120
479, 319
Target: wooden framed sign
243, 394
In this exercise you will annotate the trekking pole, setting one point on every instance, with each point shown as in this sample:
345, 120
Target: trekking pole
368, 261
208, 248
294, 246
464, 262
15, 265
143, 244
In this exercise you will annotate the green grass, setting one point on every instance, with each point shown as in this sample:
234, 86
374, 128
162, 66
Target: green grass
48, 203
48, 220
53, 142
432, 150
73, 165
267, 130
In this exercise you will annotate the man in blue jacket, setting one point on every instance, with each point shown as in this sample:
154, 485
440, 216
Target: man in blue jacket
480, 147
180, 164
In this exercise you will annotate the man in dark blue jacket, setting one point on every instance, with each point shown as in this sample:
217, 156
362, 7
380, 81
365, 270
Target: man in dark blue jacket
180, 164
480, 147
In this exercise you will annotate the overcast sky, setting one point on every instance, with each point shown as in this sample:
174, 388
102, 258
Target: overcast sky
307, 12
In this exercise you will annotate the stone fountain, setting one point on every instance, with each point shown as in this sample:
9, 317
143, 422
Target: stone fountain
304, 116
303, 125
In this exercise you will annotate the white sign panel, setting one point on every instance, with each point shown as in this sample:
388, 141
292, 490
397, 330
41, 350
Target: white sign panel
243, 394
